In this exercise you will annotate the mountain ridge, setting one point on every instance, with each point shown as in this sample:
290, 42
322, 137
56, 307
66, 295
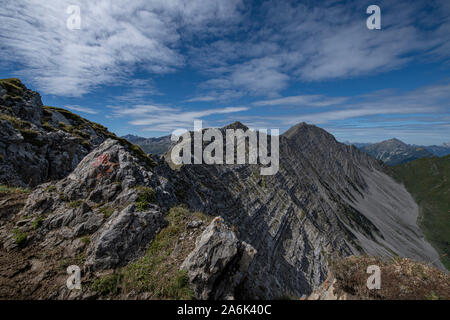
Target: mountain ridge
394, 151
119, 209
386, 147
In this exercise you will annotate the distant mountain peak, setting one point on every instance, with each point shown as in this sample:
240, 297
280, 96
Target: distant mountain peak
394, 141
236, 125
299, 129
395, 151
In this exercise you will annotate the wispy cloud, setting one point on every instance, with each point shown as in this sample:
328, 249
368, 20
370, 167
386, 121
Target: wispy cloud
315, 41
303, 100
202, 99
167, 119
114, 40
422, 114
238, 54
81, 109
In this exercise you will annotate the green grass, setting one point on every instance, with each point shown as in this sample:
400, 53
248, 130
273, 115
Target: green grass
75, 204
107, 211
37, 223
20, 237
154, 272
9, 190
109, 284
401, 279
157, 272
51, 188
78, 124
86, 240
31, 136
145, 198
16, 122
13, 86
428, 180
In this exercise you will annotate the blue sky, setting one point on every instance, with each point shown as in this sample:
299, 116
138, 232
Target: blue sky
150, 67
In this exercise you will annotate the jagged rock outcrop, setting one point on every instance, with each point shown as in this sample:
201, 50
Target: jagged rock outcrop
124, 237
40, 143
107, 204
219, 262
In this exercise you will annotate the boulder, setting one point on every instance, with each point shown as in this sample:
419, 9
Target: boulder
219, 262
124, 237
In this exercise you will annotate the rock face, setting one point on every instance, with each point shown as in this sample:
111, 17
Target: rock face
326, 200
124, 237
107, 201
219, 262
40, 143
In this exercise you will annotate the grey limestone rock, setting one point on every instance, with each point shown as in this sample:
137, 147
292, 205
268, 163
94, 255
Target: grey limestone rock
218, 263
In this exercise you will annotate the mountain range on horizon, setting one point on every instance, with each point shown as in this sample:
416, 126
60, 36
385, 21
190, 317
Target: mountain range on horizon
391, 152
73, 193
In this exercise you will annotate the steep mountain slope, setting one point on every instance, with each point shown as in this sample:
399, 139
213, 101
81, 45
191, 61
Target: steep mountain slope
327, 199
129, 221
428, 180
394, 151
156, 146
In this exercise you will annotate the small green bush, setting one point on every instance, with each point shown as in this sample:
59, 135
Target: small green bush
75, 204
20, 237
145, 198
47, 126
86, 240
106, 211
37, 223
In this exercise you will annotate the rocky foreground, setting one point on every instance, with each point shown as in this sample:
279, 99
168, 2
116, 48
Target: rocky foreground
75, 194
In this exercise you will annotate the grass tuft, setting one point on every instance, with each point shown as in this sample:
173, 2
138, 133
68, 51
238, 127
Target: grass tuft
157, 273
10, 190
145, 198
20, 237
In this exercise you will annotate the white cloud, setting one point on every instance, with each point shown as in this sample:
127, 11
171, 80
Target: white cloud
164, 118
303, 100
421, 115
82, 109
321, 41
115, 38
238, 53
202, 99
